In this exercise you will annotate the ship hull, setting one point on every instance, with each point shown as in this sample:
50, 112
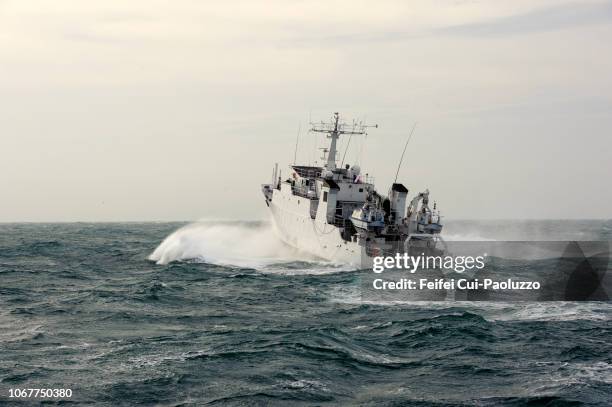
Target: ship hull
297, 229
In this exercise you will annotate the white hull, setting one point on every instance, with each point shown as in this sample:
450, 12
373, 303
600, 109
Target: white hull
315, 236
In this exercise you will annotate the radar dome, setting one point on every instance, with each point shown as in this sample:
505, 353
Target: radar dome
356, 169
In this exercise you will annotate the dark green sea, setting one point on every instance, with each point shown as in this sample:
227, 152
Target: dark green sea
223, 314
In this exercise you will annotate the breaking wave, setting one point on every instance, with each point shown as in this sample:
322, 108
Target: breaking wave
233, 244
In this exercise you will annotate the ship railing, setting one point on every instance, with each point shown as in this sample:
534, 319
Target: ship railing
339, 221
310, 172
367, 179
303, 192
363, 179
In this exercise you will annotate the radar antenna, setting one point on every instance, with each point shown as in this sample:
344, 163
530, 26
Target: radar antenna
334, 129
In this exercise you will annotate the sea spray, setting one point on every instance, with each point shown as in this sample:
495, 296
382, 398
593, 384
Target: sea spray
238, 244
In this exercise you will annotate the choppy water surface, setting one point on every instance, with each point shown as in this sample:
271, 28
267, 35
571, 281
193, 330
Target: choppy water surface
222, 313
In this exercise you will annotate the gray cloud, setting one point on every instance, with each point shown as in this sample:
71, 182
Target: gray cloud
548, 19
539, 20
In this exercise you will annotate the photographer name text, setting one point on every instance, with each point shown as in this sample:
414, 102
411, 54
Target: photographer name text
452, 284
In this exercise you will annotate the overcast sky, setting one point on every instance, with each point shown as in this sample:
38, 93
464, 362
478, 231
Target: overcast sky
177, 110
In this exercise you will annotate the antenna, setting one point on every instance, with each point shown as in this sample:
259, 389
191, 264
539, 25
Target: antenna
297, 138
404, 152
334, 130
346, 150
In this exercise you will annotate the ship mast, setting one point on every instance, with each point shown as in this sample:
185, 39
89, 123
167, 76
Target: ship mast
334, 130
331, 156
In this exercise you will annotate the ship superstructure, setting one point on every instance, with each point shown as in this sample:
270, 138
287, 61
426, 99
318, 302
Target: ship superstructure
337, 214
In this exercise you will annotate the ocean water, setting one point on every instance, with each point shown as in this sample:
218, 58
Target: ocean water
221, 313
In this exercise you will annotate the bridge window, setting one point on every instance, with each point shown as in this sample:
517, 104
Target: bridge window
324, 196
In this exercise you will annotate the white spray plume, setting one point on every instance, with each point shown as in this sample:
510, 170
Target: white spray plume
234, 244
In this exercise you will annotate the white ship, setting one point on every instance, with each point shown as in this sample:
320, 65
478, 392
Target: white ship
337, 214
